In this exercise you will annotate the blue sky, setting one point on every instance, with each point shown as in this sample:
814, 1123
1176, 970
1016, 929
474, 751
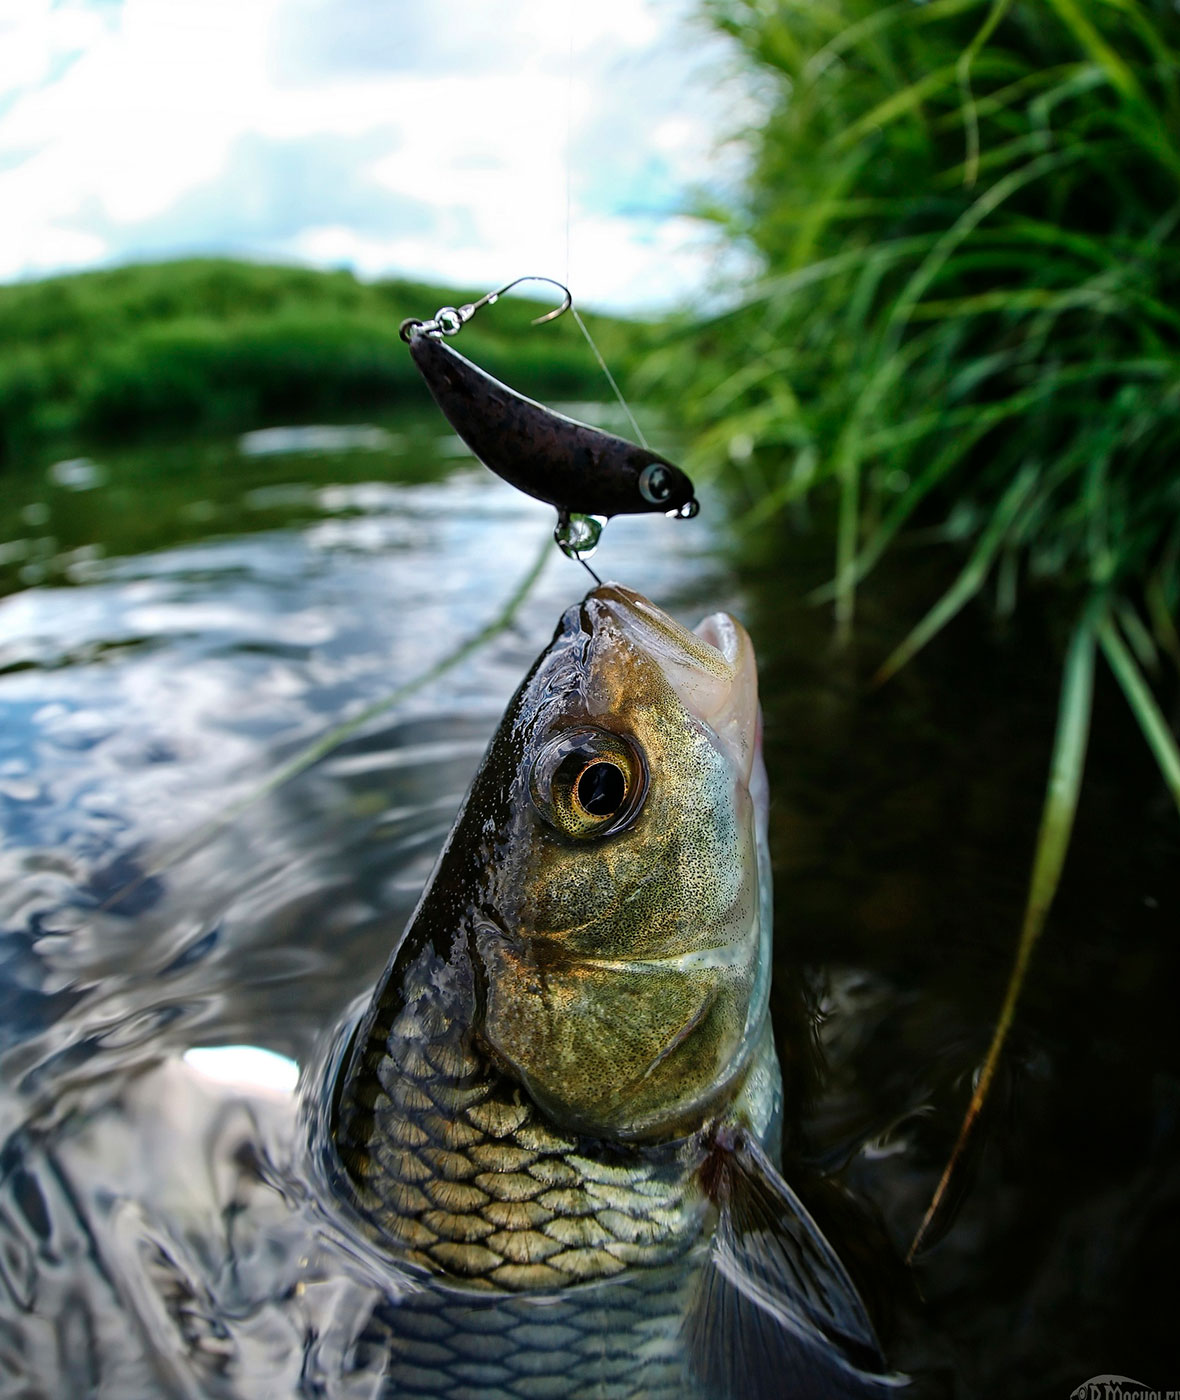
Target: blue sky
467, 141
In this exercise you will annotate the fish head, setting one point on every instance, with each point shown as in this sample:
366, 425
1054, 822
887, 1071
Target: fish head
621, 936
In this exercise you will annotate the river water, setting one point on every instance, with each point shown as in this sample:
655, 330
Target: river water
179, 624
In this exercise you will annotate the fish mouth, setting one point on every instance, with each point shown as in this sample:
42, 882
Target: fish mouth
711, 669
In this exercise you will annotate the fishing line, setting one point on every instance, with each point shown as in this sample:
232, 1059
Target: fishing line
569, 140
610, 379
569, 228
586, 565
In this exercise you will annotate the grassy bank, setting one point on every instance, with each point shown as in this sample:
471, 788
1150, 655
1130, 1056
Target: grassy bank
214, 344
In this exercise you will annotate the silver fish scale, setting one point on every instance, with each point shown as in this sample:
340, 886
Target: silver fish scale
615, 1341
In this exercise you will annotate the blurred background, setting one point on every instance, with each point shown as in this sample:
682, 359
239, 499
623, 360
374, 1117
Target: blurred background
445, 147
898, 283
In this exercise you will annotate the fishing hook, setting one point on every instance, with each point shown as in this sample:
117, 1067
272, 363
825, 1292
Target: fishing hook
450, 320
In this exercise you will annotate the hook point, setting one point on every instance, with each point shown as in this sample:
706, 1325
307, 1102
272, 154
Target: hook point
567, 299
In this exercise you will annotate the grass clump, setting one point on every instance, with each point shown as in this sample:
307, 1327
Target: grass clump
966, 214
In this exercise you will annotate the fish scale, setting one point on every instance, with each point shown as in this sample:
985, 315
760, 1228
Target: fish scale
451, 1161
453, 1166
613, 1341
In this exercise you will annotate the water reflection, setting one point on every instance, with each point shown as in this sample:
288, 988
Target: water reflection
319, 437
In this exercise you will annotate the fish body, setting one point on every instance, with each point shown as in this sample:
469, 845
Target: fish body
560, 1107
572, 466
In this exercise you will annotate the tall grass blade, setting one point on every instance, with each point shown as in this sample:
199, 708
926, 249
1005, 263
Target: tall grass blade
1057, 821
1096, 46
970, 108
1162, 622
847, 533
966, 224
970, 580
1160, 738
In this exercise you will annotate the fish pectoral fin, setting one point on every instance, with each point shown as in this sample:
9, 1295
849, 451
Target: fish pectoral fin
775, 1313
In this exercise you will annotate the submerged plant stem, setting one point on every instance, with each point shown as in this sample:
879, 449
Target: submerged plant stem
338, 733
1057, 820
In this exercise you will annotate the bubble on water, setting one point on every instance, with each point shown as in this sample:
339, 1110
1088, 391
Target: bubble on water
578, 535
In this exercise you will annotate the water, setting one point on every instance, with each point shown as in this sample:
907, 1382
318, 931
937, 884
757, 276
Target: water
178, 623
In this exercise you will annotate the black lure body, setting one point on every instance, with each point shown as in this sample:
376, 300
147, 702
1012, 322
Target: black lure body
570, 465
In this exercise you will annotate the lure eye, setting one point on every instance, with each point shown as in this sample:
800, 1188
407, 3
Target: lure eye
588, 783
655, 483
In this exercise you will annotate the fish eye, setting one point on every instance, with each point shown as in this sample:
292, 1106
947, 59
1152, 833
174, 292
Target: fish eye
588, 783
655, 483
601, 789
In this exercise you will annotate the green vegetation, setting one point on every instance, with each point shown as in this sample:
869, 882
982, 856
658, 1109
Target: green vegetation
968, 321
967, 211
968, 216
213, 344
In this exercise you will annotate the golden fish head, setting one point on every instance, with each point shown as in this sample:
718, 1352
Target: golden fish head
620, 933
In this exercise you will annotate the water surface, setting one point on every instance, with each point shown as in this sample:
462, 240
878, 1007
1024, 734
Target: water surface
178, 623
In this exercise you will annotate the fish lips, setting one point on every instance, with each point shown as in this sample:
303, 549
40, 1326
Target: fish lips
712, 670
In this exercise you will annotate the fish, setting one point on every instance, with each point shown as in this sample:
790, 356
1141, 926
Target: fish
570, 465
559, 1112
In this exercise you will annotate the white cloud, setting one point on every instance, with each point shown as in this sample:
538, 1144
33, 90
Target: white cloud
147, 128
37, 36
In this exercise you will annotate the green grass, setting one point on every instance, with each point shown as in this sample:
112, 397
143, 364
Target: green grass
967, 323
213, 344
969, 318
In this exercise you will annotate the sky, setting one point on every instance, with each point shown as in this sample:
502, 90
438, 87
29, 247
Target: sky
460, 141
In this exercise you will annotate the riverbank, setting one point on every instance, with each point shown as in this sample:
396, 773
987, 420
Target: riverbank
215, 344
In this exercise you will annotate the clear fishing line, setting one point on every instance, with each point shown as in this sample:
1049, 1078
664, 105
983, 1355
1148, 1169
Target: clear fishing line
569, 226
569, 138
610, 379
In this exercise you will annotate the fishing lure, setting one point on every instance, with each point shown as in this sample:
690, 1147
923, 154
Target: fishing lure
586, 474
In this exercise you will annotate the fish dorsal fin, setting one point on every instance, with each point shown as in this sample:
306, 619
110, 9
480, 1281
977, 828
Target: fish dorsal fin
776, 1314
